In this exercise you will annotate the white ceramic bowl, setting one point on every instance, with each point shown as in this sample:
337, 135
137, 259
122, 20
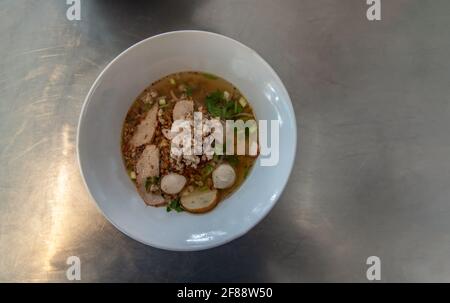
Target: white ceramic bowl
104, 111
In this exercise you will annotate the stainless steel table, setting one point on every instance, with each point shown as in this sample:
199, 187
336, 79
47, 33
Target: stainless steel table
372, 176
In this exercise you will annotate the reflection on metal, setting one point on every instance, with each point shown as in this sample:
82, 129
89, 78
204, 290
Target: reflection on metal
58, 203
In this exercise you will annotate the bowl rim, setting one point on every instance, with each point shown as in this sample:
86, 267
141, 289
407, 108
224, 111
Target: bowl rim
235, 236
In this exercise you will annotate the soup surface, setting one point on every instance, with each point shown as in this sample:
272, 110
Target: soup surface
194, 182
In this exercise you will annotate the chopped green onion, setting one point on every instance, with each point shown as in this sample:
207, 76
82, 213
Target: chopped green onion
226, 95
172, 81
243, 102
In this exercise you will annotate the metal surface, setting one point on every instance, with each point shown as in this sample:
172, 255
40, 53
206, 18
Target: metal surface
372, 175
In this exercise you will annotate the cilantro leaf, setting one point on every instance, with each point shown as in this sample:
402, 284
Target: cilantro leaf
189, 90
217, 106
213, 103
174, 205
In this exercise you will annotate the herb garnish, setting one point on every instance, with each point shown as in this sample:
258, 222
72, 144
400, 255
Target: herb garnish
218, 106
189, 90
175, 205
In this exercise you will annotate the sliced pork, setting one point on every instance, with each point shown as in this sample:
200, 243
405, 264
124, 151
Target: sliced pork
146, 129
147, 171
183, 109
